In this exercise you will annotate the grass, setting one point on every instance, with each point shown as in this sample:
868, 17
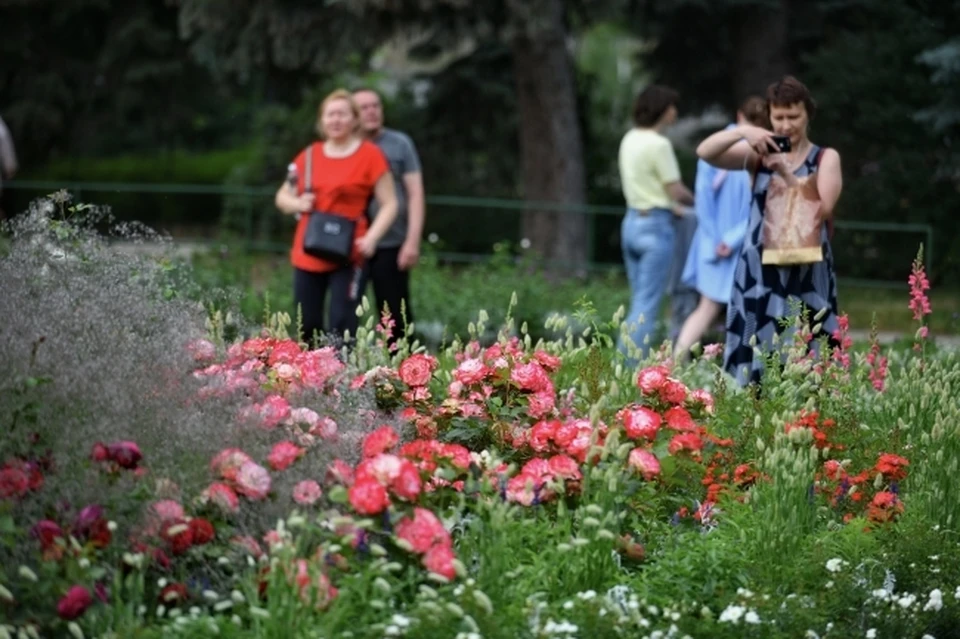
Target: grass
451, 295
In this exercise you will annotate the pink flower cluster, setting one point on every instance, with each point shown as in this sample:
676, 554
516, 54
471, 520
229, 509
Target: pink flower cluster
268, 362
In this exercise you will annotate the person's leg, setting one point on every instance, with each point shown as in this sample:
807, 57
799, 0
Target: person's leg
696, 325
651, 248
309, 294
346, 286
391, 288
683, 302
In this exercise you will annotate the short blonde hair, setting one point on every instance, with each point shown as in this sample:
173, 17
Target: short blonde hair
339, 94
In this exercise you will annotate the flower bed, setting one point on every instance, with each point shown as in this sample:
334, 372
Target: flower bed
255, 488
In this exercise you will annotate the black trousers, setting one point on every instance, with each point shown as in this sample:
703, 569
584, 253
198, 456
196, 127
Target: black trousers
391, 287
345, 285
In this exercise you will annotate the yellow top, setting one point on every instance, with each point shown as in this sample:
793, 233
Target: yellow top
647, 164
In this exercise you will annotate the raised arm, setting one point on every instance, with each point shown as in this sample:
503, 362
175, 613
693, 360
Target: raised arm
722, 151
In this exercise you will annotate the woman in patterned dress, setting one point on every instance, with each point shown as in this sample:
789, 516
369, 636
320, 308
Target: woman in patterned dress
763, 294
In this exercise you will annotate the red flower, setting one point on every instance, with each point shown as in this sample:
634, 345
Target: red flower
368, 497
407, 485
284, 454
222, 496
340, 472
530, 377
673, 391
227, 463
125, 454
380, 441
685, 441
173, 594
884, 507
13, 483
417, 369
99, 453
678, 418
422, 532
548, 361
541, 434
202, 531
630, 549
651, 379
641, 423
74, 603
891, 466
644, 462
178, 534
284, 352
439, 560
47, 532
564, 467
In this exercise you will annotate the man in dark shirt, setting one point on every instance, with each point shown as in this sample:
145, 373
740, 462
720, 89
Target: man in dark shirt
399, 250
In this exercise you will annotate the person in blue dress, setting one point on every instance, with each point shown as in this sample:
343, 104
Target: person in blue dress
722, 203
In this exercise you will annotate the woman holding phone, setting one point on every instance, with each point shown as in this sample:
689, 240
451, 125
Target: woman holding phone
762, 292
345, 171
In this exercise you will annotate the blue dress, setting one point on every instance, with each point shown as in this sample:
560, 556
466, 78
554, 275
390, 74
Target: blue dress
723, 209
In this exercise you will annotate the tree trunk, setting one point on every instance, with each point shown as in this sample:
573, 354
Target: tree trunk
551, 144
761, 49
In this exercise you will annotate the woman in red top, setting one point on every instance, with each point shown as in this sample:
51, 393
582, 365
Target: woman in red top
346, 171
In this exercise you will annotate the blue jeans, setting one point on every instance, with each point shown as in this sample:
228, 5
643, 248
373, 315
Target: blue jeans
647, 242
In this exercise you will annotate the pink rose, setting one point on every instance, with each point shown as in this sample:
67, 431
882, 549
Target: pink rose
407, 485
678, 418
223, 497
564, 467
307, 492
548, 361
228, 462
530, 377
286, 372
701, 397
685, 442
423, 531
641, 423
202, 350
74, 603
326, 428
439, 560
644, 462
380, 441
284, 454
470, 371
273, 411
368, 497
417, 369
649, 380
540, 404
253, 481
13, 483
673, 391
340, 472
47, 532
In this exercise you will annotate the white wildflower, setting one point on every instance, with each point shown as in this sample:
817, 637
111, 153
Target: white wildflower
732, 614
872, 633
836, 564
751, 617
935, 602
907, 600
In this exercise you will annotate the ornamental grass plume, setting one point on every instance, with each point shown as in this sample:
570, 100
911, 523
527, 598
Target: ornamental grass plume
111, 331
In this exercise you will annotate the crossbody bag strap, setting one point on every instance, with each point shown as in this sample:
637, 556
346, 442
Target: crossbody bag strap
308, 178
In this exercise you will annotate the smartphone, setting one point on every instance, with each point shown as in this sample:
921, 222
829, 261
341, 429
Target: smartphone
782, 142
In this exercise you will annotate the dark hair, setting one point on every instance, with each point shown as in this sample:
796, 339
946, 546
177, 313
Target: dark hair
754, 109
789, 91
652, 103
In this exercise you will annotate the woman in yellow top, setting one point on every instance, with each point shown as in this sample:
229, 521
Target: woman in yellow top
650, 178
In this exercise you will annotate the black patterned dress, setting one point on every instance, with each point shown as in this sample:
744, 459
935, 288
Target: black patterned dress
762, 292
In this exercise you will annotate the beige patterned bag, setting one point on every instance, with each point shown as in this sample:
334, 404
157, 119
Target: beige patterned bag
792, 222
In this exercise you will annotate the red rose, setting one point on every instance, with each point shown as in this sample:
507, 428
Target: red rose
99, 453
380, 441
530, 377
178, 534
47, 532
641, 423
284, 454
407, 485
13, 483
417, 369
650, 380
673, 391
439, 560
74, 603
125, 454
202, 531
644, 462
173, 594
368, 497
678, 418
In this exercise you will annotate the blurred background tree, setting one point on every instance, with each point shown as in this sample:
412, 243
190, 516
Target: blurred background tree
504, 98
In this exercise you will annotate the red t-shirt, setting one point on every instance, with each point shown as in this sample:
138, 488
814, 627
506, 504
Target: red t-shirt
343, 186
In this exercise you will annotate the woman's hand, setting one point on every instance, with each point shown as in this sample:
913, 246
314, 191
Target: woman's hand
759, 139
723, 250
366, 245
304, 202
776, 162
